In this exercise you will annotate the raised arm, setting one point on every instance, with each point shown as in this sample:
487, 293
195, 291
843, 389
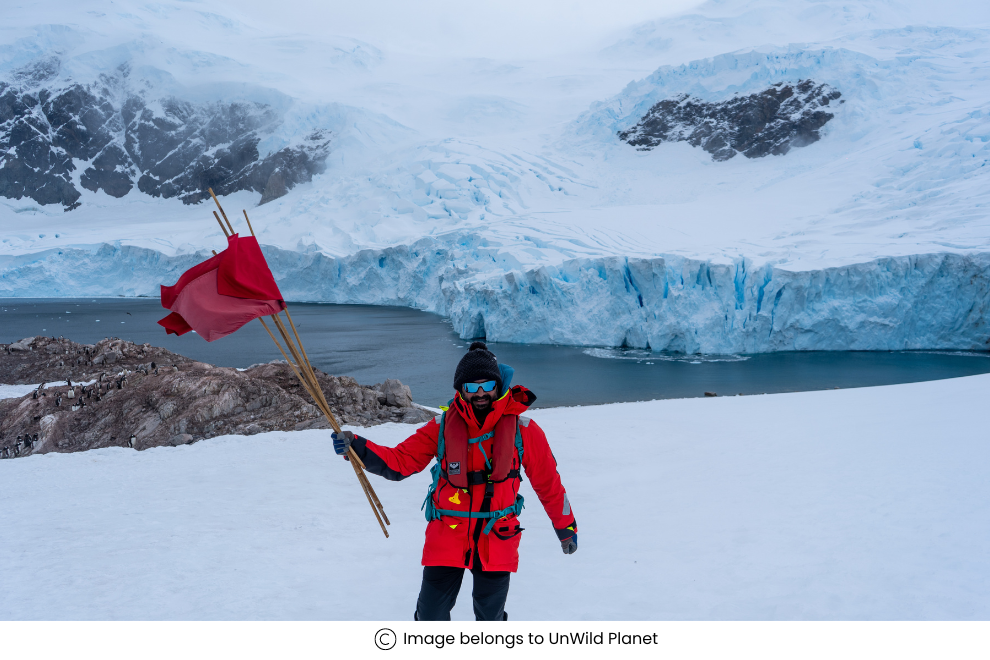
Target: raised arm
405, 459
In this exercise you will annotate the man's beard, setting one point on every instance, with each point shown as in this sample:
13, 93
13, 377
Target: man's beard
482, 407
483, 404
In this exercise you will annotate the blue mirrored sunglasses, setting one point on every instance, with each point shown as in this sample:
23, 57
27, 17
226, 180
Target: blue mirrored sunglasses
472, 388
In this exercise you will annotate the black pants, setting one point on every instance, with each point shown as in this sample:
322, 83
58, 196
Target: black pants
442, 583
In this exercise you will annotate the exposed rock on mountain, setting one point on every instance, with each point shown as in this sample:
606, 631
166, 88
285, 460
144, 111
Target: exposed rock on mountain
46, 359
167, 147
119, 394
769, 122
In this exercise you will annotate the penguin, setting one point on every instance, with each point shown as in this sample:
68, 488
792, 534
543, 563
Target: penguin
130, 442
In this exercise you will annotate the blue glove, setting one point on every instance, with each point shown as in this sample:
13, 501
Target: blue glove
342, 442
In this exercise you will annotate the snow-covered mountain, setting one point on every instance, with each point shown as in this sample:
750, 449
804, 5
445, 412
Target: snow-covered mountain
588, 198
121, 139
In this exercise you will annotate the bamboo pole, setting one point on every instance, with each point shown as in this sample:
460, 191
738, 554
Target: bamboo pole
317, 392
311, 385
314, 386
230, 226
303, 370
313, 376
303, 358
222, 228
250, 228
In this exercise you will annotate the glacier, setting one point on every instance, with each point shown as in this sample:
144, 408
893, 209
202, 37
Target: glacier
665, 303
498, 193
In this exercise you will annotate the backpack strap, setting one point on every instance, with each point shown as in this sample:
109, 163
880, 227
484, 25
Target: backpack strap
440, 444
431, 511
481, 438
491, 516
523, 421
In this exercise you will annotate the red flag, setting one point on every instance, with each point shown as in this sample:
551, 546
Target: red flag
217, 297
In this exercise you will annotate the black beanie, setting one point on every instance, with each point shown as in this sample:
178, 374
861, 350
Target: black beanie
477, 364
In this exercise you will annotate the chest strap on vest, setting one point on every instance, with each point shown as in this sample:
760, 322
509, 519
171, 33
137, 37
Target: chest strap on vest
478, 477
492, 516
479, 439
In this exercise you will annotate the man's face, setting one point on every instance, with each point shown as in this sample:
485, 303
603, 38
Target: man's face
480, 400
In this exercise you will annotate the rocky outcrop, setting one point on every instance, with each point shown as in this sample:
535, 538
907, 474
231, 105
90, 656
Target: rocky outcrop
47, 359
119, 394
167, 147
769, 122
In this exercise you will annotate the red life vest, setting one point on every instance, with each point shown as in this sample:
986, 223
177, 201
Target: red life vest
456, 444
453, 445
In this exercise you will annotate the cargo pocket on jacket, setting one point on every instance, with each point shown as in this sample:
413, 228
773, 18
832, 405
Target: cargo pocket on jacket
447, 540
503, 542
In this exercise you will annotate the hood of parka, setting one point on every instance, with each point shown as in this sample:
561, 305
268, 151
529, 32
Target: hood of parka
514, 402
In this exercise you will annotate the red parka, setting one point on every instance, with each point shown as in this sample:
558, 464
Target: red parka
454, 540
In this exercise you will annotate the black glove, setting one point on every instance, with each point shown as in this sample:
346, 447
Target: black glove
568, 539
342, 442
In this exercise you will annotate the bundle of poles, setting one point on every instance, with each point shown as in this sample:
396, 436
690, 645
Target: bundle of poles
301, 367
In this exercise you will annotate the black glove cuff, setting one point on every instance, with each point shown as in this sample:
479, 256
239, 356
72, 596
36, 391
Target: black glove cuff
563, 534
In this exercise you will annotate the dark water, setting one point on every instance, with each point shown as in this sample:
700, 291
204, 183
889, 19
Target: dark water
373, 343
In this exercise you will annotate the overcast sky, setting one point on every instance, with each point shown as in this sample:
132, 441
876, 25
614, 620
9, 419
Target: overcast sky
474, 28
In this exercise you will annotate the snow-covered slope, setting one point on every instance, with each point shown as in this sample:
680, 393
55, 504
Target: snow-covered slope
490, 191
864, 504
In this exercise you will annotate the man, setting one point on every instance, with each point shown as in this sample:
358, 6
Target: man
480, 443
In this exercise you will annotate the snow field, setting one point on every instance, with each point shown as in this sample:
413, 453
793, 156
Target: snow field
15, 391
850, 504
